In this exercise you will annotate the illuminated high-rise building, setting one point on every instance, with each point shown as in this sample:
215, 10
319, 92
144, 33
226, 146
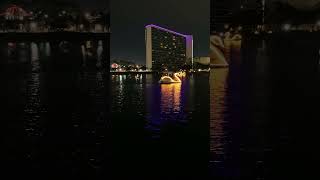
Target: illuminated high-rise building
167, 49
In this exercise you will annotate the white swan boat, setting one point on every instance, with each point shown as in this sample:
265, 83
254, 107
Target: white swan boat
170, 80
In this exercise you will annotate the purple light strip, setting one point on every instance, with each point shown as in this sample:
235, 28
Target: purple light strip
167, 30
189, 37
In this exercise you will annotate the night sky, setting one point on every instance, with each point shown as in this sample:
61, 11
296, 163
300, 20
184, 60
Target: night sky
129, 17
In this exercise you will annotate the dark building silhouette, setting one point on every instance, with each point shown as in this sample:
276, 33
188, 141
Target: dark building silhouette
220, 15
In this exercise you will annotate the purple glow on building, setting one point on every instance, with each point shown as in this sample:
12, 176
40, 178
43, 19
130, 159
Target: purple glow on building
189, 37
167, 30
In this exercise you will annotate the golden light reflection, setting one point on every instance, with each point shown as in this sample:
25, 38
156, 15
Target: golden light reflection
236, 44
218, 89
170, 98
232, 47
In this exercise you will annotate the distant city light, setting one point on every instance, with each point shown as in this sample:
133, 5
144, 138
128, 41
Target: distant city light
38, 21
87, 15
98, 28
286, 27
115, 66
33, 26
10, 44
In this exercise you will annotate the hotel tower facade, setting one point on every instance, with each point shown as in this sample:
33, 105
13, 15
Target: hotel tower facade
167, 49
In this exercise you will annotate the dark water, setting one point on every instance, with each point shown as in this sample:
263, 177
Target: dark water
262, 113
160, 131
254, 120
54, 107
264, 110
